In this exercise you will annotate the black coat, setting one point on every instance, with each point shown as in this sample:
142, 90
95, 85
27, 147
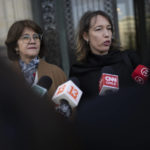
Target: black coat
115, 62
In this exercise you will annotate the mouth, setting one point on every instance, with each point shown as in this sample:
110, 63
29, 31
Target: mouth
32, 48
107, 43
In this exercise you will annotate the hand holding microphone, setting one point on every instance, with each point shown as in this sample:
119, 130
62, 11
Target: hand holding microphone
67, 97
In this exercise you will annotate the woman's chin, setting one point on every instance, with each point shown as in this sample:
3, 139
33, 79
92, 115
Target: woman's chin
32, 56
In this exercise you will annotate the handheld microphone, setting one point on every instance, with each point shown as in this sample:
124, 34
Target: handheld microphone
42, 86
67, 96
108, 84
140, 74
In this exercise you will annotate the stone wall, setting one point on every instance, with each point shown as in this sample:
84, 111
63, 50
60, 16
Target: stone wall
10, 11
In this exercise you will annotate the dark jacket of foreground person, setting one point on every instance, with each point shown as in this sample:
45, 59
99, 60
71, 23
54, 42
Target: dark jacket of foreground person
118, 122
28, 122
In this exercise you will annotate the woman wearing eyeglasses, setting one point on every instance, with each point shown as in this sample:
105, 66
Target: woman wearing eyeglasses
25, 48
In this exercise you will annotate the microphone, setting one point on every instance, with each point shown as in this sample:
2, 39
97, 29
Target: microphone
42, 86
67, 96
140, 74
108, 84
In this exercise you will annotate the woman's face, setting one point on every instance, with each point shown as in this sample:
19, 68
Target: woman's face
99, 35
28, 45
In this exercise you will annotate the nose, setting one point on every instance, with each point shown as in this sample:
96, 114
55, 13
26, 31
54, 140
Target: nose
106, 33
32, 40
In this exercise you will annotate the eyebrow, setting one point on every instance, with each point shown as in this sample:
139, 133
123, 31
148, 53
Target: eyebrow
29, 34
101, 26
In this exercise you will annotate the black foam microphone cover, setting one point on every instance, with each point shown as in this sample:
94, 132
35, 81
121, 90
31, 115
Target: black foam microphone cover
45, 82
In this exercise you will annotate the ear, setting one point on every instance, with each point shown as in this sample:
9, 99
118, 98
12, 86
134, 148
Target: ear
85, 36
17, 50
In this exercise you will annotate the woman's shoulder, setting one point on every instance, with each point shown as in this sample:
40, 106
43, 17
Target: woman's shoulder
132, 55
50, 68
129, 51
43, 63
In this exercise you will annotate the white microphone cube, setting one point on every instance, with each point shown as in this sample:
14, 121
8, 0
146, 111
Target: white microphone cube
68, 91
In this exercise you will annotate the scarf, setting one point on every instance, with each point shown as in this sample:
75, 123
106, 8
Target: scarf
96, 62
29, 70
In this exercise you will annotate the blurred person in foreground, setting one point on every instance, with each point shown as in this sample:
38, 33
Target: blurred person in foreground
97, 53
25, 48
116, 122
26, 122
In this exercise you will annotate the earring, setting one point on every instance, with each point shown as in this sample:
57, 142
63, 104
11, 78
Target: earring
87, 41
17, 51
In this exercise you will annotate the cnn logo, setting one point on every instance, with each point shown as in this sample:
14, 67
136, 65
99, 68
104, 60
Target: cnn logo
110, 79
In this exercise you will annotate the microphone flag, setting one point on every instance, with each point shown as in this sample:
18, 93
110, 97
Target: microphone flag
108, 83
140, 74
68, 91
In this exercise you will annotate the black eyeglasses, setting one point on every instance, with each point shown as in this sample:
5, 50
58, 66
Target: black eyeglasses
26, 38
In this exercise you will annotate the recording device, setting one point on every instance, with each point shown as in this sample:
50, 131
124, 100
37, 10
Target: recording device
140, 74
67, 97
42, 86
108, 84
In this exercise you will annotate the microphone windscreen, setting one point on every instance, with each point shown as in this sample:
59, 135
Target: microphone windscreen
45, 82
108, 84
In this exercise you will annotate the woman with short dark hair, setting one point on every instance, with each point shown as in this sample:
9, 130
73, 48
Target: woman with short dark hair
25, 47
